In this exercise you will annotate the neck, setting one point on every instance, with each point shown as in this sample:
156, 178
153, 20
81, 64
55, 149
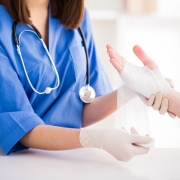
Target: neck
39, 16
38, 10
37, 4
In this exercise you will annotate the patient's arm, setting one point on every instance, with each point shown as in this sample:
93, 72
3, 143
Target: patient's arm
173, 96
174, 102
149, 77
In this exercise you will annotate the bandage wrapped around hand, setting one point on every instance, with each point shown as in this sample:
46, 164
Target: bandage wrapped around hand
144, 81
118, 143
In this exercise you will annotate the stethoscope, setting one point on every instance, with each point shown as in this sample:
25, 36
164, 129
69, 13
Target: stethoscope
86, 93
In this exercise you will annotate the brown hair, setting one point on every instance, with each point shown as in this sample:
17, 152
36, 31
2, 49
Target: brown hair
69, 12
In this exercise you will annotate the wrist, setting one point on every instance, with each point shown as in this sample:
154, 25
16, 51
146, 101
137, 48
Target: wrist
91, 138
174, 102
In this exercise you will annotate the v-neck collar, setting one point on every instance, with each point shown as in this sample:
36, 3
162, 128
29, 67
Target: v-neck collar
52, 30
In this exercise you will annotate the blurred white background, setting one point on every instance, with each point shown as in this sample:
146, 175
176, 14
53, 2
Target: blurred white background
158, 32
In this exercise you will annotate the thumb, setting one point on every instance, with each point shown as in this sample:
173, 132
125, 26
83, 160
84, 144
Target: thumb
133, 130
137, 139
146, 60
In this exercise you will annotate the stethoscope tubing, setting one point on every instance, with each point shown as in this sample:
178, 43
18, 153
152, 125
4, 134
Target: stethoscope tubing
87, 57
49, 56
82, 92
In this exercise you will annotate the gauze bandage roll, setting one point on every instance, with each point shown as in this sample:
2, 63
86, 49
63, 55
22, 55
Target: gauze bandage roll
132, 111
144, 81
136, 83
116, 142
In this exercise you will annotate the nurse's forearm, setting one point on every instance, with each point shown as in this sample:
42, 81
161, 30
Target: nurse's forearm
52, 138
100, 108
174, 103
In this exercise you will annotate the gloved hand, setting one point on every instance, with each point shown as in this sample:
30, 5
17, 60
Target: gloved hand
119, 143
159, 103
156, 101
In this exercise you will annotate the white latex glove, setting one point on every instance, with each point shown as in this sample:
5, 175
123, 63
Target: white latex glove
150, 145
159, 103
118, 143
156, 101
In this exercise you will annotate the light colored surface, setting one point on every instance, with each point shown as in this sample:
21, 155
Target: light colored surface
89, 164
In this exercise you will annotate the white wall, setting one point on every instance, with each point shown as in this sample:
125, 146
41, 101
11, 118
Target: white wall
158, 34
116, 5
169, 8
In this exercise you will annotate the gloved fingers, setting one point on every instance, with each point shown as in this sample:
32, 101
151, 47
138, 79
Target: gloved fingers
133, 130
172, 115
150, 101
157, 102
138, 150
124, 129
164, 106
137, 139
170, 81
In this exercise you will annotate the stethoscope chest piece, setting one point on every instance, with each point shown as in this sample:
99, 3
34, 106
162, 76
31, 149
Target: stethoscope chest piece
87, 94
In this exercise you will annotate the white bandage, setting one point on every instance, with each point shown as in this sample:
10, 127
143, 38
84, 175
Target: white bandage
136, 83
132, 111
144, 81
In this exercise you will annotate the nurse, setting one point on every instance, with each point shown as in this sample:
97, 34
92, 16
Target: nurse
32, 115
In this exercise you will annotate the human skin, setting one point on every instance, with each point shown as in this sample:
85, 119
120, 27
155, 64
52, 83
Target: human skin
118, 62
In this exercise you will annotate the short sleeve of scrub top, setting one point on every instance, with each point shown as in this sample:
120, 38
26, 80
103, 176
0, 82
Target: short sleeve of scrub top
21, 109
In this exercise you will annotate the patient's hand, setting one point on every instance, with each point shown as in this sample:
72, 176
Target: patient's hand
118, 61
146, 80
161, 104
157, 101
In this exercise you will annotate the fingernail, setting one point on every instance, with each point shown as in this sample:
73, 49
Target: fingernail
172, 116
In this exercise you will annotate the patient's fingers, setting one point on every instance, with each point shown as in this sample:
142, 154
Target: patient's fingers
150, 102
113, 54
164, 106
116, 65
158, 100
108, 46
146, 60
116, 60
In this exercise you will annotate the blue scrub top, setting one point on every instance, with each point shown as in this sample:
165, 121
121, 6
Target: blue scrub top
21, 109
